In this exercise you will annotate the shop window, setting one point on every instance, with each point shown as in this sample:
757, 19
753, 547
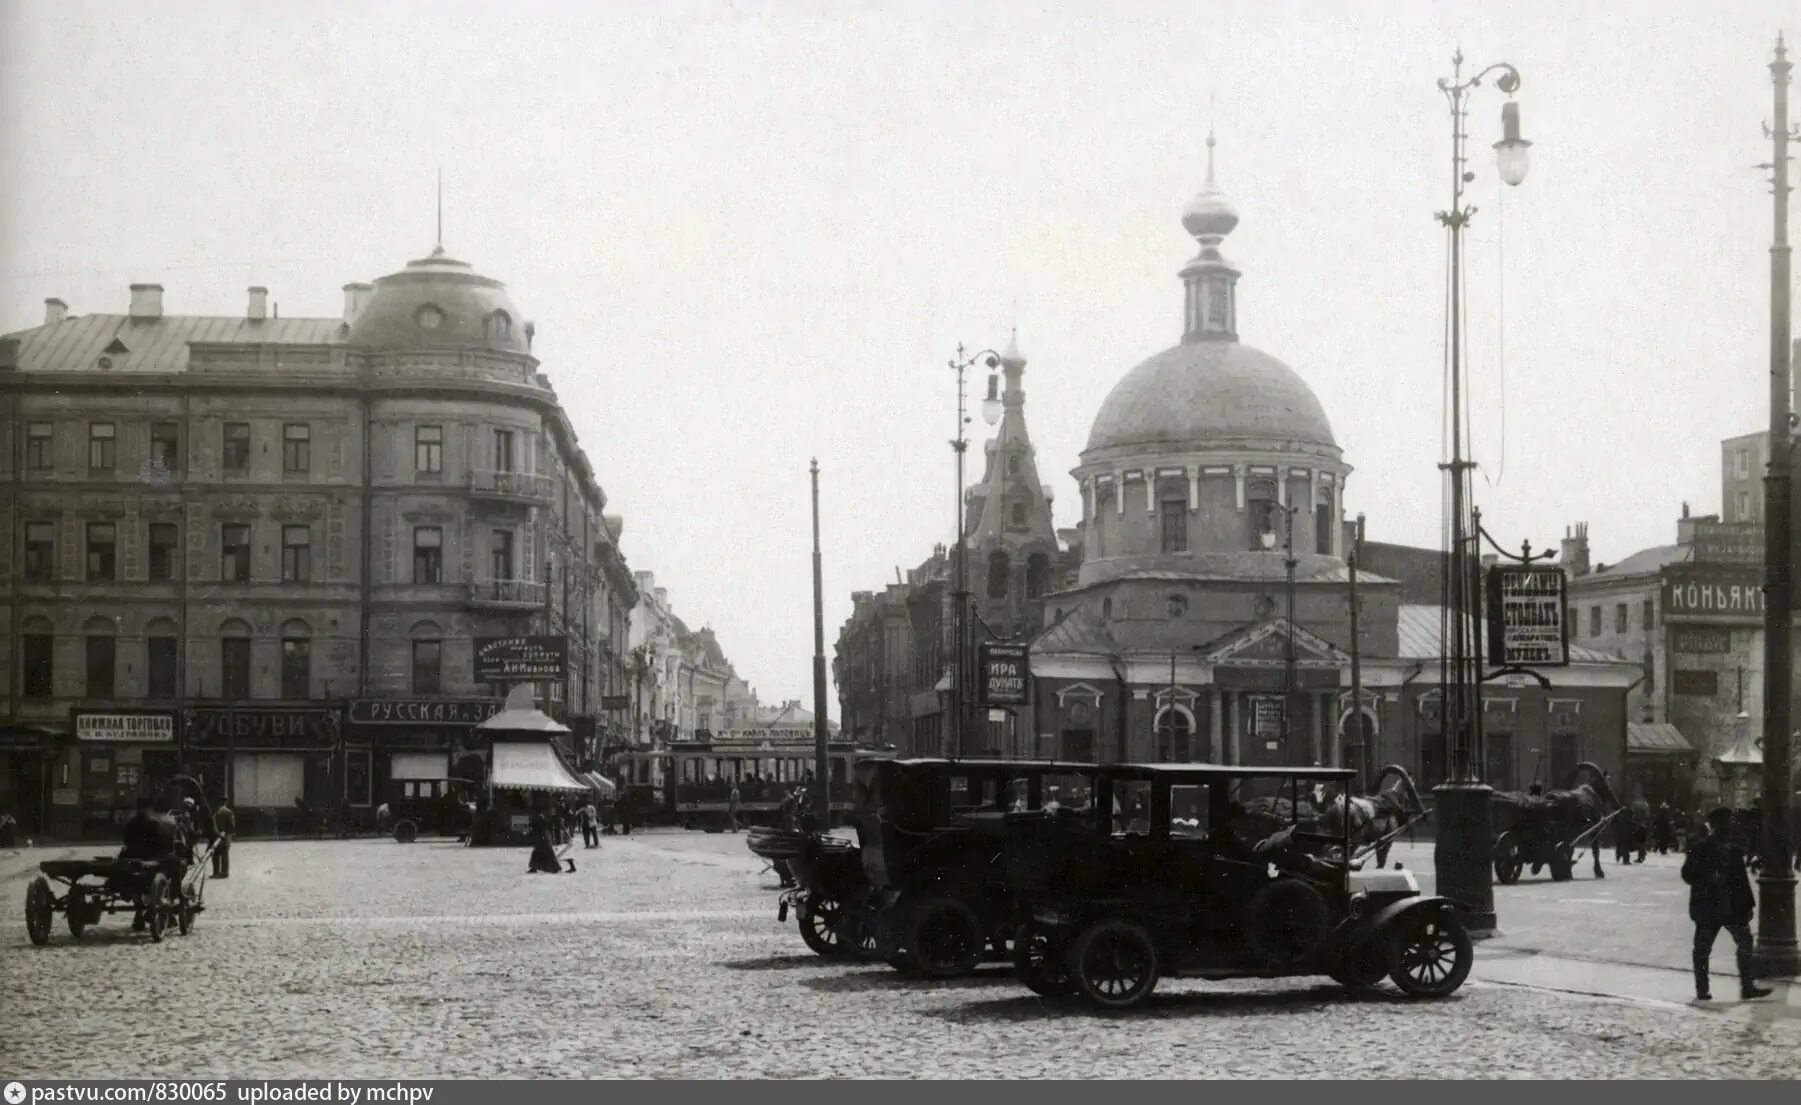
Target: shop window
102, 446
428, 450
296, 449
102, 659
1174, 512
234, 554
267, 781
296, 554
165, 540
428, 667
234, 663
39, 446
102, 543
162, 664
165, 445
235, 448
428, 554
40, 551
359, 777
296, 668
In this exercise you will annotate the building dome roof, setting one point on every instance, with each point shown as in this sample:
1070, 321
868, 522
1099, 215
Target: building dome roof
439, 301
1207, 394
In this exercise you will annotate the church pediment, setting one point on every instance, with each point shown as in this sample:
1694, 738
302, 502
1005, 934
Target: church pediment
1266, 645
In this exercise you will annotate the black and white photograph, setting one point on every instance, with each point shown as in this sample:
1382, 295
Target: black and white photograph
778, 540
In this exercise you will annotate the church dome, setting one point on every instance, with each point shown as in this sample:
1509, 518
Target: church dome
1208, 394
439, 301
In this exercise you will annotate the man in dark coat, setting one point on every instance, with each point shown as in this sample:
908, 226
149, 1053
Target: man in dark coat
1720, 897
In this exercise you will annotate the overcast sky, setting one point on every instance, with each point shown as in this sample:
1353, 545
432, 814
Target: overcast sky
753, 233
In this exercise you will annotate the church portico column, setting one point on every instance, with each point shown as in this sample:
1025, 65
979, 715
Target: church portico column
1119, 490
1194, 488
1216, 727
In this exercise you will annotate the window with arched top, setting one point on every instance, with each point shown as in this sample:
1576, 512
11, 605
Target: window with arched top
1265, 514
1013, 464
1000, 573
499, 326
1173, 514
1323, 525
294, 627
429, 317
1038, 575
100, 625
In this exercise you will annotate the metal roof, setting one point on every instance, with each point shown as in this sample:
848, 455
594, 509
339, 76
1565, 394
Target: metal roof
158, 344
1418, 627
1643, 562
1657, 738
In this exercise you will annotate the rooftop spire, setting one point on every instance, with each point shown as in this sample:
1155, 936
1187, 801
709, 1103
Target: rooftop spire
438, 249
1211, 307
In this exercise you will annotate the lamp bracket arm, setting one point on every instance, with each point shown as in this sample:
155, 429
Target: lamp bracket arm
1540, 677
1524, 556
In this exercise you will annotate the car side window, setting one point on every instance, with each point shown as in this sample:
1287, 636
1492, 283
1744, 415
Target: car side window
1188, 812
1132, 807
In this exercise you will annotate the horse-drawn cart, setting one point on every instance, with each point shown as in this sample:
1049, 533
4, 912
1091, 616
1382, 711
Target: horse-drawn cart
1550, 830
169, 889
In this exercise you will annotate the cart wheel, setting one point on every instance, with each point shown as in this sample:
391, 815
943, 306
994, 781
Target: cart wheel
1362, 964
1563, 863
405, 832
817, 917
1038, 962
75, 911
37, 910
946, 938
1429, 953
1508, 863
1114, 964
184, 916
156, 908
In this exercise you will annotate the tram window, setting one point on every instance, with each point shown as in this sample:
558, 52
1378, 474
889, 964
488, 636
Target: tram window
690, 771
837, 769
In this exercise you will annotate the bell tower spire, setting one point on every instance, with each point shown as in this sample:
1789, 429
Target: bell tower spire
1211, 300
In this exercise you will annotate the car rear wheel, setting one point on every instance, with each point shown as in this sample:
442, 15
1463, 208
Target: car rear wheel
1038, 961
946, 938
1114, 964
406, 832
818, 917
1429, 953
1508, 863
37, 910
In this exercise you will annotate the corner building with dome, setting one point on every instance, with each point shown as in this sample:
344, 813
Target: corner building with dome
1203, 464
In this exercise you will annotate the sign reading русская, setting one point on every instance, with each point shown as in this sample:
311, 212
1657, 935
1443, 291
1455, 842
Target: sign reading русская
423, 711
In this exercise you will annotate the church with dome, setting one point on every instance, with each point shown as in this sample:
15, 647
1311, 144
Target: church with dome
1210, 619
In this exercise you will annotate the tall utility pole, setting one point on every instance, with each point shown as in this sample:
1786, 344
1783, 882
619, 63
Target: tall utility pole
1288, 658
1363, 749
1776, 945
821, 772
952, 744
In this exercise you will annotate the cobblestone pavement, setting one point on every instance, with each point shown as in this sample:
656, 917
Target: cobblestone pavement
662, 957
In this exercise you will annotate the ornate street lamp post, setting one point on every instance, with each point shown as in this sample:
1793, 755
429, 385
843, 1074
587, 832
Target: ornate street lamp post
1463, 854
821, 775
1776, 945
953, 740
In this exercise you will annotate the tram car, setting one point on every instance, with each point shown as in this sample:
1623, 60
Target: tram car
689, 783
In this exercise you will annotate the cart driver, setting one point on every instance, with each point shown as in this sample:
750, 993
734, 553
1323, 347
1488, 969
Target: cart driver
1241, 836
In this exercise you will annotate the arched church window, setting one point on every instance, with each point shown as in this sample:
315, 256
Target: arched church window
1038, 575
1019, 514
1174, 512
500, 326
1000, 571
1013, 464
1174, 728
1322, 527
1265, 514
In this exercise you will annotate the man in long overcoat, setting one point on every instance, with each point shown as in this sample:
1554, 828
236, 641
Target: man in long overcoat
1720, 897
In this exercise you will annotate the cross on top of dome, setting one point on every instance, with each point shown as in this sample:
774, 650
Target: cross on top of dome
1209, 216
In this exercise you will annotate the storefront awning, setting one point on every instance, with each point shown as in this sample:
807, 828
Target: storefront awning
532, 765
602, 785
1656, 739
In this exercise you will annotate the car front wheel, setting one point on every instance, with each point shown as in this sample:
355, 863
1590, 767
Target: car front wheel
1114, 964
1429, 954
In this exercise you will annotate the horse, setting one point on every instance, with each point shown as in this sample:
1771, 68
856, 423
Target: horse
1372, 820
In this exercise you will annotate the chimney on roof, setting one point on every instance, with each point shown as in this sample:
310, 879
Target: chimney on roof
356, 297
258, 310
146, 301
55, 310
1574, 558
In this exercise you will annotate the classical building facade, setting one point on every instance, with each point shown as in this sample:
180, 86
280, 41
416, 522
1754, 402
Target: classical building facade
656, 665
260, 549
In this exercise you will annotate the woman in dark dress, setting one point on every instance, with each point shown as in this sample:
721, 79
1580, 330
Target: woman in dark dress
544, 852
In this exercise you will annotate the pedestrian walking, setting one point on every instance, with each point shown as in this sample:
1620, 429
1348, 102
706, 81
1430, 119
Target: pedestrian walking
590, 825
731, 806
1720, 897
225, 823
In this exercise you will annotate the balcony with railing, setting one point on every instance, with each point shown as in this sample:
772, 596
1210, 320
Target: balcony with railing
507, 594
514, 486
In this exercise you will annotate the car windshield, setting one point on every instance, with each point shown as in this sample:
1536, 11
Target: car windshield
1284, 800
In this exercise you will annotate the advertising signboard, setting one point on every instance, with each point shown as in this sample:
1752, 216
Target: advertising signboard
1266, 717
1691, 638
1704, 683
1729, 542
151, 727
423, 711
615, 701
1526, 608
1723, 593
520, 659
1004, 673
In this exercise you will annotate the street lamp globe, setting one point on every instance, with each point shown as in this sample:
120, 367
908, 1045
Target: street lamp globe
1513, 154
991, 406
1268, 537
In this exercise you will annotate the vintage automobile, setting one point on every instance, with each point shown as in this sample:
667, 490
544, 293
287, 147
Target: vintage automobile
1550, 830
166, 890
827, 876
1203, 870
938, 899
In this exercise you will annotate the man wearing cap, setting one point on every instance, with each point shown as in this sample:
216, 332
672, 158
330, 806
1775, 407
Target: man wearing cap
1720, 897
